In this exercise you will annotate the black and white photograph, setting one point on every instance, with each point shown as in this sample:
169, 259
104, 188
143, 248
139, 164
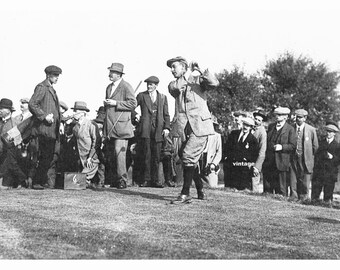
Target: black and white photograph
169, 133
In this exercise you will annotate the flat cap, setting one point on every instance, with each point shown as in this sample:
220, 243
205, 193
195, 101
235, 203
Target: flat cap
282, 110
54, 70
152, 79
248, 121
301, 112
176, 59
63, 105
24, 100
332, 128
331, 125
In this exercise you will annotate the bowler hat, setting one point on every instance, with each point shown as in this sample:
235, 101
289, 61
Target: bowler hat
80, 105
282, 111
63, 105
248, 121
101, 110
260, 113
176, 59
6, 103
152, 79
301, 112
53, 70
118, 67
24, 100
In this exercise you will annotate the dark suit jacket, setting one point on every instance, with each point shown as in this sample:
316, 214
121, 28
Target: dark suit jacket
43, 102
287, 139
163, 117
324, 166
117, 123
310, 145
246, 151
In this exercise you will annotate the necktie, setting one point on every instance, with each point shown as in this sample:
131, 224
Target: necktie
298, 131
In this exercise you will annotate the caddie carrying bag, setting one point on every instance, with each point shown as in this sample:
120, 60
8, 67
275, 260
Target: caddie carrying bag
74, 180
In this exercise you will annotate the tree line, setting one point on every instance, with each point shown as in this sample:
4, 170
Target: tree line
293, 82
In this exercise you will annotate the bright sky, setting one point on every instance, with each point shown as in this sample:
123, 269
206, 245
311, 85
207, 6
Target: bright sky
85, 37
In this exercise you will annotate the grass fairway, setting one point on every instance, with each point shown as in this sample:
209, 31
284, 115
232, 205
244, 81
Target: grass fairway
139, 223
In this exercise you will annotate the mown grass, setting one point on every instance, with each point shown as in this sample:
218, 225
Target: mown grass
139, 223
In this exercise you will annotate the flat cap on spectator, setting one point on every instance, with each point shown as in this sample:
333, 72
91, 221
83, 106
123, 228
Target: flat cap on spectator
53, 70
118, 67
332, 126
301, 112
80, 105
282, 111
152, 79
176, 59
260, 113
248, 121
24, 100
63, 105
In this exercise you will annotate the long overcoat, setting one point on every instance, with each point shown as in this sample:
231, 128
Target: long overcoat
43, 102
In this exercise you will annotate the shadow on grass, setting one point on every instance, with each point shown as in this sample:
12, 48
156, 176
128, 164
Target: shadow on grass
151, 196
324, 220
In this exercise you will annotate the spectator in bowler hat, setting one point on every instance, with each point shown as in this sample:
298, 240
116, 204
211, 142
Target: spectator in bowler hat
11, 175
